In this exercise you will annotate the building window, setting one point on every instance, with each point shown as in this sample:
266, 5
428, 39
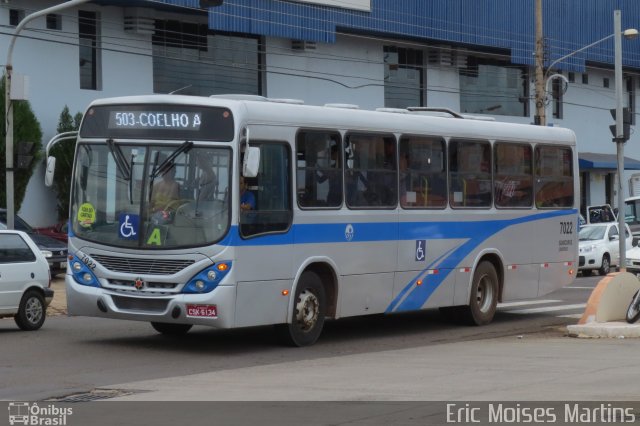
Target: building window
54, 21
605, 82
88, 32
572, 77
585, 78
403, 77
15, 16
557, 92
489, 86
189, 60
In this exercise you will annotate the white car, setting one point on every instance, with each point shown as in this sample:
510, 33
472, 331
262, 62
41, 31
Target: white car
600, 247
25, 280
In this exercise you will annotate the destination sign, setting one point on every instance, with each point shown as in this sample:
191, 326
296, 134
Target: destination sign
154, 120
158, 121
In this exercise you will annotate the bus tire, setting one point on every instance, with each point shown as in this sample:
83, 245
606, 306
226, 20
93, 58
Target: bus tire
633, 311
171, 329
484, 295
31, 311
310, 307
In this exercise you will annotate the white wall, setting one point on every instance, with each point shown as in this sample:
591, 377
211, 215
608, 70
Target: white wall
332, 77
54, 80
349, 71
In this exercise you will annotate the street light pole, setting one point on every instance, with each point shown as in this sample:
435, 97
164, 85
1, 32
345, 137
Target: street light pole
8, 107
619, 139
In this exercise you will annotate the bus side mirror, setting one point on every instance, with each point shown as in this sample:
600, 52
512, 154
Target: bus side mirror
251, 162
49, 172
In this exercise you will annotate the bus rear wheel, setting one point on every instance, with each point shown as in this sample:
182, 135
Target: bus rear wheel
171, 329
309, 310
484, 295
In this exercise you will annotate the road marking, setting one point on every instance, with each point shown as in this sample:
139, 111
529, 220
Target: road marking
579, 288
548, 309
526, 303
573, 316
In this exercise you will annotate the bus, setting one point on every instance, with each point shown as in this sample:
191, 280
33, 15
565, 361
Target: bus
311, 213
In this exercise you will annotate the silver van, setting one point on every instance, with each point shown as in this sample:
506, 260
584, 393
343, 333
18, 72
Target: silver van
25, 280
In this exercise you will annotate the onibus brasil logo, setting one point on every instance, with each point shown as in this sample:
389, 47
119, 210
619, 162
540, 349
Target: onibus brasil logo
31, 414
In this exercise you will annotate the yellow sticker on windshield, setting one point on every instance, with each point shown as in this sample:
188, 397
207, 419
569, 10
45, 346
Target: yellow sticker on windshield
86, 215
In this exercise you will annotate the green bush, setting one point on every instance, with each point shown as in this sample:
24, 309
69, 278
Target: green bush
26, 128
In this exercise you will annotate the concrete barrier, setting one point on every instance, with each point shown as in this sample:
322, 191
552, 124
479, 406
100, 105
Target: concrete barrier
610, 299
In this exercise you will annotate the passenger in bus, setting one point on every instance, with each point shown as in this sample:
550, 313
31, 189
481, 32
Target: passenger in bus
247, 199
166, 191
207, 182
334, 195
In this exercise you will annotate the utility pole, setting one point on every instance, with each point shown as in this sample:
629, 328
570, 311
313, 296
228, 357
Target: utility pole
619, 139
540, 117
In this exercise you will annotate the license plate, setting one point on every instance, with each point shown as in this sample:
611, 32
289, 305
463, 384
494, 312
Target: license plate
63, 265
208, 311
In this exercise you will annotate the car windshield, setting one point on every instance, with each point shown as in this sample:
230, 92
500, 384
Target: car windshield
18, 222
151, 196
591, 233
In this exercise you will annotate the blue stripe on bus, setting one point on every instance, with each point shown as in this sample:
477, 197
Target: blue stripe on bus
418, 295
385, 231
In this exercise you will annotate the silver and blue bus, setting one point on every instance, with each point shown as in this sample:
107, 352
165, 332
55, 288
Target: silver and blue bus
238, 211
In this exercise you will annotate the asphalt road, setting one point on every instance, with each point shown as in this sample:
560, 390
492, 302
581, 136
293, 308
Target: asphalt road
77, 354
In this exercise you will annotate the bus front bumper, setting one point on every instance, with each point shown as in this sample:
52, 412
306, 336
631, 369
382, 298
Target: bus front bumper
214, 309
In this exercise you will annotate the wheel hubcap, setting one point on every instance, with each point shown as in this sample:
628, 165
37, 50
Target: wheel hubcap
33, 310
307, 310
484, 295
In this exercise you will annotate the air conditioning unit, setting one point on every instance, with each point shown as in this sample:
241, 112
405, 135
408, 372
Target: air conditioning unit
447, 56
139, 21
303, 45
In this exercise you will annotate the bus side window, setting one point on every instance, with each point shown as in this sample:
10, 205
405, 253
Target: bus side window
371, 176
318, 169
423, 178
553, 177
271, 191
470, 173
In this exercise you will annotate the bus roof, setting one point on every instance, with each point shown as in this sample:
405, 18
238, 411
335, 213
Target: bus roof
259, 110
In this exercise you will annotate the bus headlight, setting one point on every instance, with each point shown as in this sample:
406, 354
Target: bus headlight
207, 279
82, 274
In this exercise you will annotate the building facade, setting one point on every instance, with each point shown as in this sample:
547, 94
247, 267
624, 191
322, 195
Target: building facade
476, 57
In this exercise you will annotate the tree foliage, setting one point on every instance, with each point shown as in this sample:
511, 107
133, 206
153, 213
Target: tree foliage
63, 151
26, 128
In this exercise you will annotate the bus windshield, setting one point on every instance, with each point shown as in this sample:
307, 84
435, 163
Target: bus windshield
151, 196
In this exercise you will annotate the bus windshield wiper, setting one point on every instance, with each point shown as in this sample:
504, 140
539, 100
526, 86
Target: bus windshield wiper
168, 162
118, 156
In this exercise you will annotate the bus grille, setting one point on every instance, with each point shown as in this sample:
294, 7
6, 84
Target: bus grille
143, 266
140, 304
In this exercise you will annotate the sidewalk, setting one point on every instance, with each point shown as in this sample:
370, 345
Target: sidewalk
59, 304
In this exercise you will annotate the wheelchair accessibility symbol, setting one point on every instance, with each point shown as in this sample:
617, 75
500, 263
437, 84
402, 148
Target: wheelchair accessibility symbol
129, 226
421, 250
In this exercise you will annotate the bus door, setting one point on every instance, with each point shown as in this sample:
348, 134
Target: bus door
263, 252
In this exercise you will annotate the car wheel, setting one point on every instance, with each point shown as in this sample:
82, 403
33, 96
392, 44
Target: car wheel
31, 312
606, 265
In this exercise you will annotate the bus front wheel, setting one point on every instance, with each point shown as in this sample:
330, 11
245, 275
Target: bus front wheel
171, 329
309, 310
484, 295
